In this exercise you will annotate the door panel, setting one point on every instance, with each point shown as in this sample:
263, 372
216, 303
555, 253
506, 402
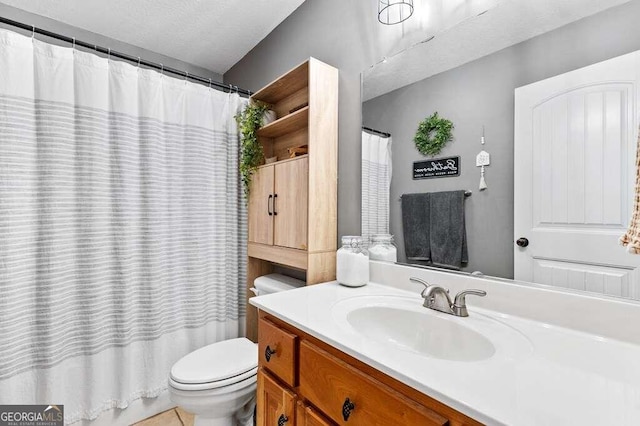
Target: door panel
575, 147
290, 222
274, 402
260, 205
580, 160
307, 416
595, 278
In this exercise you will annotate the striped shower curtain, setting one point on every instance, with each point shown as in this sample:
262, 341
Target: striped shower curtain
376, 184
121, 226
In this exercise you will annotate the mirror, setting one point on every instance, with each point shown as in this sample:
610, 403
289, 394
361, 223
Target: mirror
560, 122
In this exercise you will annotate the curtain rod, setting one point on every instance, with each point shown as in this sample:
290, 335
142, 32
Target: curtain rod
124, 56
377, 132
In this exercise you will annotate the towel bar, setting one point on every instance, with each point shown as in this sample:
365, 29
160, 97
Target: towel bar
466, 194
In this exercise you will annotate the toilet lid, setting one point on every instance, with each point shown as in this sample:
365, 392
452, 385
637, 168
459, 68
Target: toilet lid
217, 362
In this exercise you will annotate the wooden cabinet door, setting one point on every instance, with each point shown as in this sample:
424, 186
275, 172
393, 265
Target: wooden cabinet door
291, 203
261, 206
275, 404
350, 397
307, 416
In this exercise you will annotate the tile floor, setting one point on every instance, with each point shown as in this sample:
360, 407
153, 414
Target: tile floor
174, 417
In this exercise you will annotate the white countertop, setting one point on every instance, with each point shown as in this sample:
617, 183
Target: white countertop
564, 377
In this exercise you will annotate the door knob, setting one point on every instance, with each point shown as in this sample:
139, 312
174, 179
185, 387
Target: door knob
522, 242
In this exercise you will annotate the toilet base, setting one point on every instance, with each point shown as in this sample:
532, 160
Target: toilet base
222, 421
227, 406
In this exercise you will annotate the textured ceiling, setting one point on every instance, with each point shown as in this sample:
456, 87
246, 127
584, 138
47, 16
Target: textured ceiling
506, 22
211, 34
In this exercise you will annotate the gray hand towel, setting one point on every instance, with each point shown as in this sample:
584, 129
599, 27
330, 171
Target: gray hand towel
448, 236
415, 227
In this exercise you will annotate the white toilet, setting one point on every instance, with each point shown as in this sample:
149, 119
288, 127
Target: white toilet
217, 382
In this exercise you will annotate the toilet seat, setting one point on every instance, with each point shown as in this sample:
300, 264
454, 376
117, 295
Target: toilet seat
217, 365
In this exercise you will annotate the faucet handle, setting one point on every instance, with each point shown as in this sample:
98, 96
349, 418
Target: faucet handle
460, 302
423, 282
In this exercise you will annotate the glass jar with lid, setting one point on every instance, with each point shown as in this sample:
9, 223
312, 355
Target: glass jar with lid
352, 262
383, 248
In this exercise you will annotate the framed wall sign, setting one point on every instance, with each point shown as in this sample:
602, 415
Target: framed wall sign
438, 167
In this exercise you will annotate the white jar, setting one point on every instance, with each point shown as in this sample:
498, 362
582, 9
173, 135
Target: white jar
352, 262
382, 248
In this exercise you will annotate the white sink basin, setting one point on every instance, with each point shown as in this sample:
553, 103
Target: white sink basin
420, 332
400, 323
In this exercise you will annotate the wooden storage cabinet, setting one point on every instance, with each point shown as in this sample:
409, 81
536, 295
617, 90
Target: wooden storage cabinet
278, 204
332, 388
293, 201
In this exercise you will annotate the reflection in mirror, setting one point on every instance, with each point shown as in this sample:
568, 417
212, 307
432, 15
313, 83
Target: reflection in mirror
558, 118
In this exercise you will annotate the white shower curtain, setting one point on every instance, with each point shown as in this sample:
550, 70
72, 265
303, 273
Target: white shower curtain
376, 183
122, 231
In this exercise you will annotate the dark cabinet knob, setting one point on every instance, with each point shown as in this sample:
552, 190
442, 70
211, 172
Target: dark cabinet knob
282, 420
522, 242
268, 352
269, 204
347, 408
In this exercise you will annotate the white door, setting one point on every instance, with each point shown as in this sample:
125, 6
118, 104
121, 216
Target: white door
575, 147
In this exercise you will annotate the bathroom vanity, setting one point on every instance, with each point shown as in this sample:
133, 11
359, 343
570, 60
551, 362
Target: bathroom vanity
375, 356
299, 373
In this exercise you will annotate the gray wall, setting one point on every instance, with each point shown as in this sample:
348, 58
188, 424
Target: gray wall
470, 96
477, 93
93, 38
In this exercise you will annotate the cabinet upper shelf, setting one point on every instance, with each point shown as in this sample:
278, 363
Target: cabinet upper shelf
287, 124
284, 86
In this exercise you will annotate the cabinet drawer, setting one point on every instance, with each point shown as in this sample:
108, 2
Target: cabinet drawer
277, 351
332, 385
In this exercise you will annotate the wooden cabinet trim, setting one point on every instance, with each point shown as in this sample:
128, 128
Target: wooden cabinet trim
282, 255
282, 161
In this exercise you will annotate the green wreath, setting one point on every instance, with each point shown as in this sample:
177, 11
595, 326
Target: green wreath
433, 134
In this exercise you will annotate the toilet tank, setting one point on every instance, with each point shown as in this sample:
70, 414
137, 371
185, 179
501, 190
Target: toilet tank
274, 283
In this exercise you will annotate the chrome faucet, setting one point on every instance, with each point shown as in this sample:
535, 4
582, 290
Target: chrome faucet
437, 298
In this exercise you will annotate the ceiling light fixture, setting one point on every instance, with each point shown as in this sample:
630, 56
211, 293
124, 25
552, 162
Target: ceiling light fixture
392, 12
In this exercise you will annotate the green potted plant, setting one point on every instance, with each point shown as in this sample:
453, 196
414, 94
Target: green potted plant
251, 154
